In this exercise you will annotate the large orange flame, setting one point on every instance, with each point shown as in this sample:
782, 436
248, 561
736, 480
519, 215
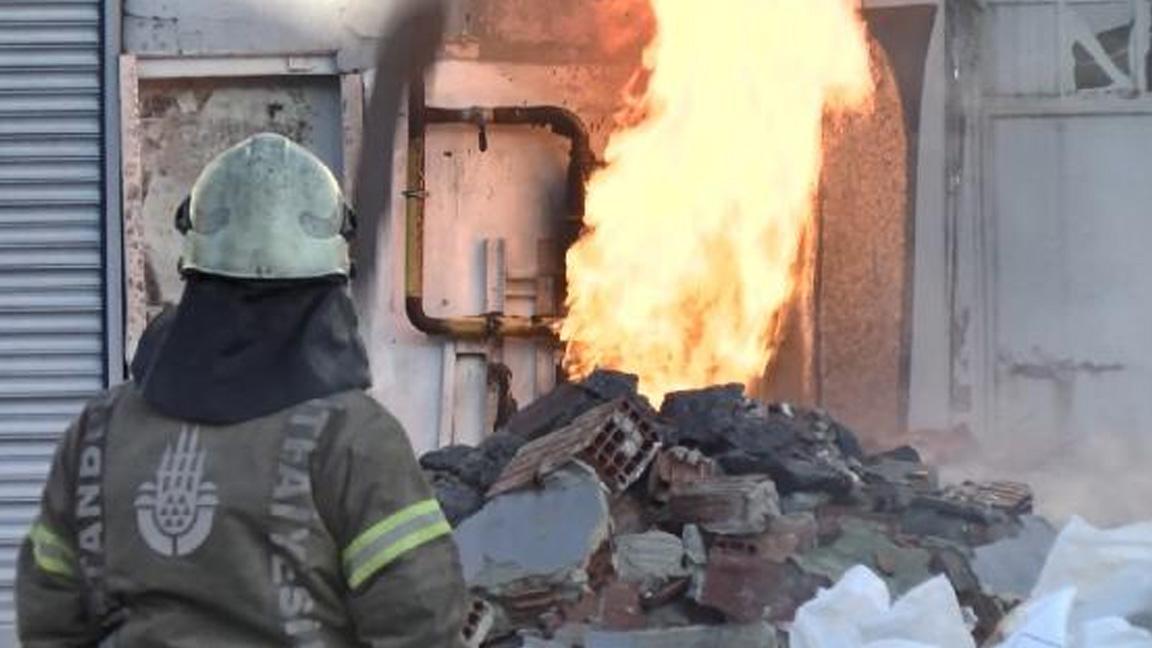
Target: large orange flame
695, 224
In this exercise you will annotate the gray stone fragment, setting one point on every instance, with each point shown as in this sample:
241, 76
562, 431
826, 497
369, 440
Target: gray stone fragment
726, 504
648, 557
539, 538
802, 501
756, 635
862, 542
1011, 567
694, 548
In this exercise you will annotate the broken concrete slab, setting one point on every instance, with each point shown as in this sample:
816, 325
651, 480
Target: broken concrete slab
631, 513
756, 635
617, 439
750, 578
721, 504
787, 535
1011, 567
677, 465
620, 607
740, 586
862, 542
649, 558
793, 469
536, 540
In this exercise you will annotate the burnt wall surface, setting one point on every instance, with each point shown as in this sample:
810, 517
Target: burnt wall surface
185, 123
847, 346
556, 31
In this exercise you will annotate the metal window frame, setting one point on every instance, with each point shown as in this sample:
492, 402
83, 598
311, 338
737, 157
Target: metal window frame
113, 252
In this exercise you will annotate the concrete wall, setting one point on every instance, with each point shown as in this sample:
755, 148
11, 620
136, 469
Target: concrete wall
499, 53
555, 31
185, 123
575, 53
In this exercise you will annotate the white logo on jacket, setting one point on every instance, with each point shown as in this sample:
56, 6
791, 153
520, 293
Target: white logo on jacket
174, 513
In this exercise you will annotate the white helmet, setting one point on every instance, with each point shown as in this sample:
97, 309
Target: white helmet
266, 208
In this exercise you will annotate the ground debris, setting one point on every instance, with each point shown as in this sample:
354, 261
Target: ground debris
591, 519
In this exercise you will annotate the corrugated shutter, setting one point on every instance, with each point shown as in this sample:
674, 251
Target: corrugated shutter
51, 275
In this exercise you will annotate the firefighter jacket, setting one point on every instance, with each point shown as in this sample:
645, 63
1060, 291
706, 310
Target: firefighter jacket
312, 526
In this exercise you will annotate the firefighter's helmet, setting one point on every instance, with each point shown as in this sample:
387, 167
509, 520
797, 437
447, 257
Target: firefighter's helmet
266, 208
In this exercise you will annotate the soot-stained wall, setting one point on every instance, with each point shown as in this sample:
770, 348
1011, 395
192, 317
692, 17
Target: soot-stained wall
847, 347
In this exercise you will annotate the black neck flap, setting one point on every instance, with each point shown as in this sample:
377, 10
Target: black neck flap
235, 350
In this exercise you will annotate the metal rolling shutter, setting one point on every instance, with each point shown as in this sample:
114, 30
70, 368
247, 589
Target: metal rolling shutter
51, 262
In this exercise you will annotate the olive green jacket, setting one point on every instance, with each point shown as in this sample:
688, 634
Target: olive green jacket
310, 527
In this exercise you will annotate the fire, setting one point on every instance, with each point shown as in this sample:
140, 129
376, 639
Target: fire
694, 227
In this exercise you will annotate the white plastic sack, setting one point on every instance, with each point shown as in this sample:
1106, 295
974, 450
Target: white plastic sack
1111, 569
858, 612
1092, 582
1114, 633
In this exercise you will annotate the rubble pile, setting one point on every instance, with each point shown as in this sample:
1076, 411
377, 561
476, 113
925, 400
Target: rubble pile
593, 520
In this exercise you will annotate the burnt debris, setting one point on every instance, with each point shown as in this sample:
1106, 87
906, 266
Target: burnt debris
591, 518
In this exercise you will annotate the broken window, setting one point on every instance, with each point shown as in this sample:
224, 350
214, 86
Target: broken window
1109, 44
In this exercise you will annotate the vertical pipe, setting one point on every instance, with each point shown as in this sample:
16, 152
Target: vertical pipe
447, 433
495, 276
415, 194
115, 362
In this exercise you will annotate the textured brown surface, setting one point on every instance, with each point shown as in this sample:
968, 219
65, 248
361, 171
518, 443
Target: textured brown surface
861, 281
132, 173
558, 30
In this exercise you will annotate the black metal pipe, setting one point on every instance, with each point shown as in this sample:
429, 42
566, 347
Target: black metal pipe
560, 121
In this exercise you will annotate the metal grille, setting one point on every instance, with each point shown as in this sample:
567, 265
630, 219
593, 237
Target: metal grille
51, 261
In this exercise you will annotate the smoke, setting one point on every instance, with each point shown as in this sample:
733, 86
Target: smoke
1103, 476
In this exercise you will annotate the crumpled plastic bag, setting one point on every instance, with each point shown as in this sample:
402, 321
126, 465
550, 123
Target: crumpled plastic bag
1094, 583
857, 612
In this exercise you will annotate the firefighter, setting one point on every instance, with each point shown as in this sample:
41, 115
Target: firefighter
242, 489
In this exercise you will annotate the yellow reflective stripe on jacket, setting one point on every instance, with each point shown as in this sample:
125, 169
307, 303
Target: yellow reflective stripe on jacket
50, 552
393, 537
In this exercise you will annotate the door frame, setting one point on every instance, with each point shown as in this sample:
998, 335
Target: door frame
974, 246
